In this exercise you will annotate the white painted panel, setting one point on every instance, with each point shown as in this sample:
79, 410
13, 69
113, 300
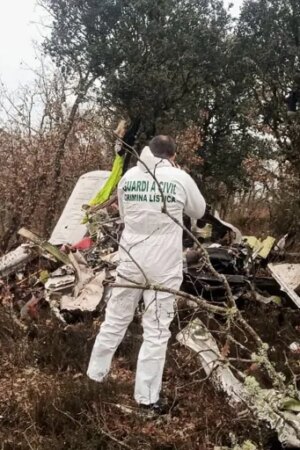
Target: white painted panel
69, 228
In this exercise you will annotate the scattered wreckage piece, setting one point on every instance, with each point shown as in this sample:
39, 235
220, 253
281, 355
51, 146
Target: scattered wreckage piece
197, 282
225, 260
88, 291
237, 236
260, 248
88, 299
196, 337
83, 272
53, 300
212, 227
70, 228
273, 407
241, 269
288, 277
86, 288
17, 259
61, 279
269, 405
45, 245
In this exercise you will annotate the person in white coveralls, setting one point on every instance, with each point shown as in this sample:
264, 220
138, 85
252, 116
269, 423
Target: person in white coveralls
150, 252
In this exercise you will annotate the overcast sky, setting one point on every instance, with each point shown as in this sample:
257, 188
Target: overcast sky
19, 28
17, 33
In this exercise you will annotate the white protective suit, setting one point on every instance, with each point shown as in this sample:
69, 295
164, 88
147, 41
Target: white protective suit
151, 246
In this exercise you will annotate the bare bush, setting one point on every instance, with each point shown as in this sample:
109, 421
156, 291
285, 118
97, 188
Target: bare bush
46, 142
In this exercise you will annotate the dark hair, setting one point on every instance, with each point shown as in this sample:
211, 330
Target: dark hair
163, 146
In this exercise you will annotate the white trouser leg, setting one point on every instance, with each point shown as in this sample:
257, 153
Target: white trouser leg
159, 312
119, 313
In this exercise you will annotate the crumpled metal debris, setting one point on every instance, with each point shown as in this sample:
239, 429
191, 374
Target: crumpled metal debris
229, 254
260, 248
236, 264
196, 337
16, 259
61, 279
241, 264
88, 299
288, 277
86, 287
212, 227
266, 404
237, 235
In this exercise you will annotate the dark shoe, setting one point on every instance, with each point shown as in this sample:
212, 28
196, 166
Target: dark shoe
159, 408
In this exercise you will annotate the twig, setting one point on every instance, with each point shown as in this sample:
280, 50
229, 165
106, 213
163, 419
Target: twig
28, 442
131, 257
67, 415
158, 288
110, 436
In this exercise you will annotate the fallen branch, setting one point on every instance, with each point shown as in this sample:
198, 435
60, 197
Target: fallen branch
157, 288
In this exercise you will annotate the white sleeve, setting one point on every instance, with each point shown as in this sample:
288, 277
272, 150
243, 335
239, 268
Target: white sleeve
195, 204
120, 198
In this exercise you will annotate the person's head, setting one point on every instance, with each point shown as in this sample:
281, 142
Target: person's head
163, 147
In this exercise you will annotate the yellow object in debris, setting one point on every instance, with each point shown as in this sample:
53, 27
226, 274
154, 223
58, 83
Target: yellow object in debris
105, 192
259, 247
112, 182
44, 276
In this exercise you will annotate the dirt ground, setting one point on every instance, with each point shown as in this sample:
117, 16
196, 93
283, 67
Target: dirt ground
47, 402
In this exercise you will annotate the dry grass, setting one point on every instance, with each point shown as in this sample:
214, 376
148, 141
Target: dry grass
47, 402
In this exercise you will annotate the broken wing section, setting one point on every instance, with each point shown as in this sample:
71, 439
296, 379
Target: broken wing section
69, 228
